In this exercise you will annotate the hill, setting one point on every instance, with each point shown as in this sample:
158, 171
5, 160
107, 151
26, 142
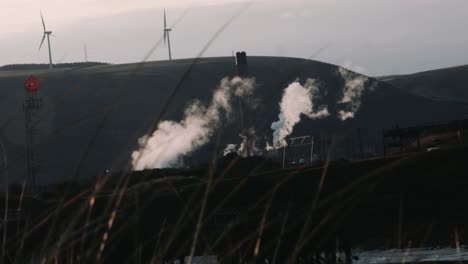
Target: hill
92, 118
442, 84
17, 67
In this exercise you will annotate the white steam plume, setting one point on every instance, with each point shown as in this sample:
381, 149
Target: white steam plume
248, 104
230, 148
243, 86
174, 139
297, 100
247, 148
352, 93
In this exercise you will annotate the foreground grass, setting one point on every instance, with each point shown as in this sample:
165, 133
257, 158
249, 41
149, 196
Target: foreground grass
244, 209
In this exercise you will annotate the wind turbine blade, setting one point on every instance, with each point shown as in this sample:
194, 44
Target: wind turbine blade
165, 37
43, 23
42, 41
165, 24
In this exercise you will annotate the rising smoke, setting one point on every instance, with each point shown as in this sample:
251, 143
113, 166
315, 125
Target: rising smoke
297, 100
354, 87
174, 139
248, 146
248, 105
230, 148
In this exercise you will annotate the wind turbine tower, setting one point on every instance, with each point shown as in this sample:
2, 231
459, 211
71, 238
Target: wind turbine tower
46, 34
85, 53
166, 35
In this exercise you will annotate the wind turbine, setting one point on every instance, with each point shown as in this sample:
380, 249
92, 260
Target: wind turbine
46, 34
166, 35
85, 53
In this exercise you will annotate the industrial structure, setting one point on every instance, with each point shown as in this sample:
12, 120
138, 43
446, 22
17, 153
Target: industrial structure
302, 150
363, 144
296, 142
246, 106
424, 137
241, 64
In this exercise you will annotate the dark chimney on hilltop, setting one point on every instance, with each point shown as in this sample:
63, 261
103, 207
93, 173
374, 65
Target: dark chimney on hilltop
241, 63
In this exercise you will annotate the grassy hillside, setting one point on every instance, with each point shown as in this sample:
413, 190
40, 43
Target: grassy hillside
443, 84
92, 117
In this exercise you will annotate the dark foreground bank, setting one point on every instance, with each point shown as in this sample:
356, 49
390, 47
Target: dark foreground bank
245, 210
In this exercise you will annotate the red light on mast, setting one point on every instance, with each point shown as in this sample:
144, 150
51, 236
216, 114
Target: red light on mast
32, 84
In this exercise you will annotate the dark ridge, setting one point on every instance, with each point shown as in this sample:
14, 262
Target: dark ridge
448, 84
41, 66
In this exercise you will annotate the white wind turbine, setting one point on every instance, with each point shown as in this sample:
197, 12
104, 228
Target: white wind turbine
46, 34
166, 35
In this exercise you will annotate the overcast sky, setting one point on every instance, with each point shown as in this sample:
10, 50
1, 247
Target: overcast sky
374, 37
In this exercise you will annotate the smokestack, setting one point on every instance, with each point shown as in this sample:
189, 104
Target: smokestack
247, 107
241, 64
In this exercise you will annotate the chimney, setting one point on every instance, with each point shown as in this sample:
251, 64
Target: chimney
241, 64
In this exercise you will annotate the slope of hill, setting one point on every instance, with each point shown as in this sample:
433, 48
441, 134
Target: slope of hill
442, 84
17, 67
92, 118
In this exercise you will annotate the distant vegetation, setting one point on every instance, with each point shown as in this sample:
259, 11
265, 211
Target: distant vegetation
16, 67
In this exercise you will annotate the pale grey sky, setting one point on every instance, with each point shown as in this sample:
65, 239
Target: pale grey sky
375, 37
